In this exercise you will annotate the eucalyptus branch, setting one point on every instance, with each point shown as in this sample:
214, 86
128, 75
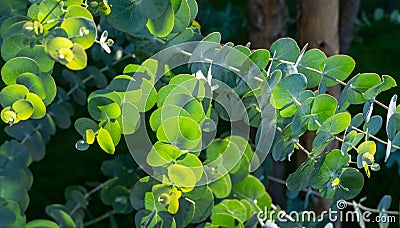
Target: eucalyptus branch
99, 187
276, 180
91, 192
374, 137
333, 79
280, 181
325, 75
305, 67
302, 148
50, 12
37, 128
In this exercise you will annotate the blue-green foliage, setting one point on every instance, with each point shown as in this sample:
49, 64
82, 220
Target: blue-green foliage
190, 184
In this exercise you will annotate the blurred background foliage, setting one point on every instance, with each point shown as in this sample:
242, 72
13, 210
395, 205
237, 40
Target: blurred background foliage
375, 48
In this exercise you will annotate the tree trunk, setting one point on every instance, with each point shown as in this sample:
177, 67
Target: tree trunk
318, 25
348, 17
267, 21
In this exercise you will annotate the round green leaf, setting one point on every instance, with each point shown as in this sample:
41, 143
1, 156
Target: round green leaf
12, 93
194, 163
9, 22
181, 176
130, 118
336, 123
362, 83
59, 214
233, 207
80, 30
221, 187
312, 59
16, 66
9, 116
105, 141
148, 98
23, 109
163, 154
78, 11
123, 11
101, 108
367, 147
19, 27
327, 167
33, 83
351, 181
261, 58
14, 44
288, 90
113, 127
152, 8
79, 61
192, 84
83, 124
39, 54
38, 106
181, 131
339, 67
52, 6
50, 87
285, 49
203, 206
182, 17
11, 214
53, 46
284, 146
162, 25
301, 178
41, 223
164, 113
12, 190
138, 193
190, 104
168, 90
255, 195
90, 136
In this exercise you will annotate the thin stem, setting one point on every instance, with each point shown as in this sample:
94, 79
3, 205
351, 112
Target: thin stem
338, 139
28, 136
302, 148
374, 137
50, 12
99, 219
87, 195
276, 180
372, 209
99, 187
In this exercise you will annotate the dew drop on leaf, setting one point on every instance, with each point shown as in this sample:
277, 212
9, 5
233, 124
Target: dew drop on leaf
81, 145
